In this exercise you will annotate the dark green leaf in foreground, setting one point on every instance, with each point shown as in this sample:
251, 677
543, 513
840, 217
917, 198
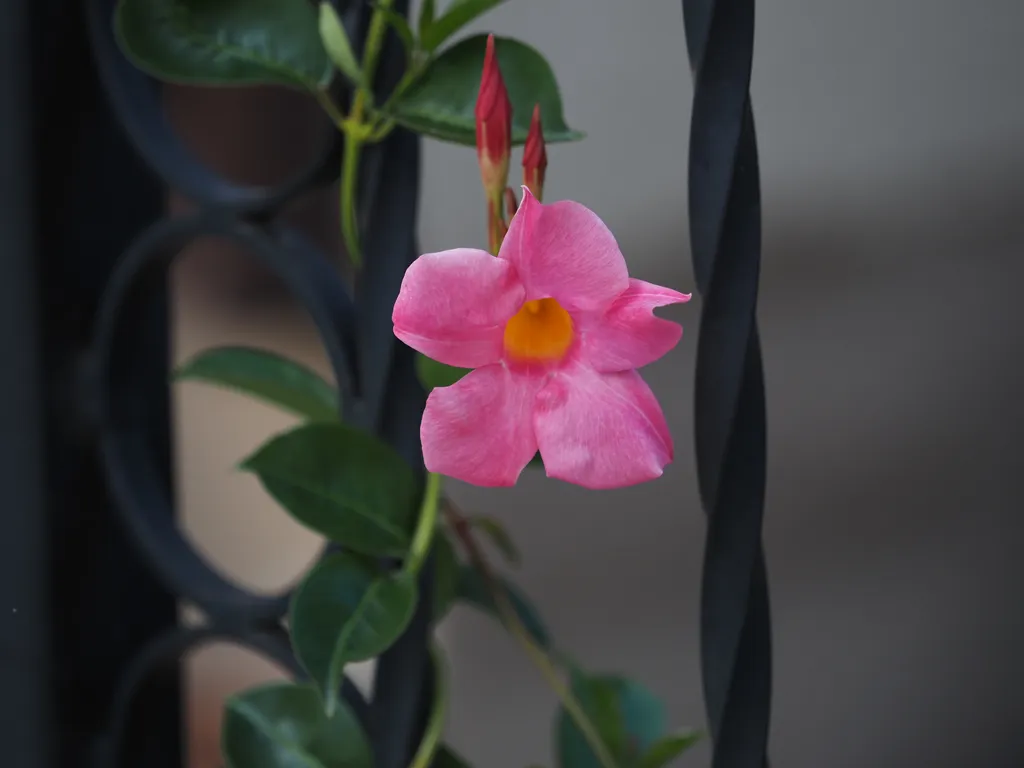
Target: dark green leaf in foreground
457, 15
225, 42
343, 483
628, 717
283, 725
440, 104
265, 376
347, 610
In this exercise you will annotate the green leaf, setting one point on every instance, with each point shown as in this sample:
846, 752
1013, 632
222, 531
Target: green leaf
401, 26
473, 590
441, 103
446, 575
668, 748
446, 757
347, 610
343, 483
628, 718
495, 531
335, 41
459, 14
434, 374
426, 17
265, 376
283, 725
224, 42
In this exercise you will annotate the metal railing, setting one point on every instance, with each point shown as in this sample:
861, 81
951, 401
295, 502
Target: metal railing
91, 561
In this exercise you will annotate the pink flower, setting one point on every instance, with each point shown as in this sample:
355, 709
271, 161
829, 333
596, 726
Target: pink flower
554, 328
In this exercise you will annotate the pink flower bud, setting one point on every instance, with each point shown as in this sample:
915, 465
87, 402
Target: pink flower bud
535, 156
493, 126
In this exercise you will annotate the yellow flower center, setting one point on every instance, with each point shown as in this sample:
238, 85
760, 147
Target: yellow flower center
541, 331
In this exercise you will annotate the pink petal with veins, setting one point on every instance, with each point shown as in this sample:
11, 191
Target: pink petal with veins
564, 251
453, 306
629, 335
480, 429
601, 430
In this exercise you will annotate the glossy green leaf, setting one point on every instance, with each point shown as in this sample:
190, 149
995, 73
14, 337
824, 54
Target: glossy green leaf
668, 748
434, 374
336, 43
343, 483
458, 14
447, 757
426, 17
446, 575
628, 717
265, 376
283, 725
497, 534
400, 24
473, 590
347, 609
441, 103
224, 42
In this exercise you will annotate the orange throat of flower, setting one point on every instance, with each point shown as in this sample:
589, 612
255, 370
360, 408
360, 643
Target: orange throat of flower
540, 332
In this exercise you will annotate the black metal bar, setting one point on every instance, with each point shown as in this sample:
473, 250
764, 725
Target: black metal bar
730, 422
123, 404
97, 195
403, 684
27, 714
80, 602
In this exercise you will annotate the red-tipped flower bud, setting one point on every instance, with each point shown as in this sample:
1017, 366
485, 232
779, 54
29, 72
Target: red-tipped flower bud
493, 126
535, 157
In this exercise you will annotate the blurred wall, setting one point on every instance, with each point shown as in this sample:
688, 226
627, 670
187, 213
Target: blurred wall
893, 184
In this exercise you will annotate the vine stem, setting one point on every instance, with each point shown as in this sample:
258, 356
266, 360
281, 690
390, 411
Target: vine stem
349, 182
426, 525
356, 133
510, 618
435, 724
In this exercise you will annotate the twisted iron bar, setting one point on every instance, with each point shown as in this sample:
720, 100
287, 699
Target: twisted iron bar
730, 424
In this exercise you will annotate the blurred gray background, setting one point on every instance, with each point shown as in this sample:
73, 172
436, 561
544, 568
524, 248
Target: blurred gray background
892, 160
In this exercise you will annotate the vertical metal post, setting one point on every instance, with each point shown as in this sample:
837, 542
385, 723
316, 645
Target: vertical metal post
77, 603
26, 716
729, 421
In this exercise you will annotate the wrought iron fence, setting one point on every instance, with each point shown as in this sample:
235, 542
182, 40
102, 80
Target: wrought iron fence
91, 562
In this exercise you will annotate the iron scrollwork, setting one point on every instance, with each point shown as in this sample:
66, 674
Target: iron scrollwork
374, 374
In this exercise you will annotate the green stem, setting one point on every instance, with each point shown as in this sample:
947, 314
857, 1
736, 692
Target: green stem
510, 618
375, 39
384, 123
349, 183
356, 134
435, 725
425, 526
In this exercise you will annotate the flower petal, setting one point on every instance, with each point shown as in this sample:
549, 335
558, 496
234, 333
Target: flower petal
629, 335
480, 429
601, 430
453, 306
564, 251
